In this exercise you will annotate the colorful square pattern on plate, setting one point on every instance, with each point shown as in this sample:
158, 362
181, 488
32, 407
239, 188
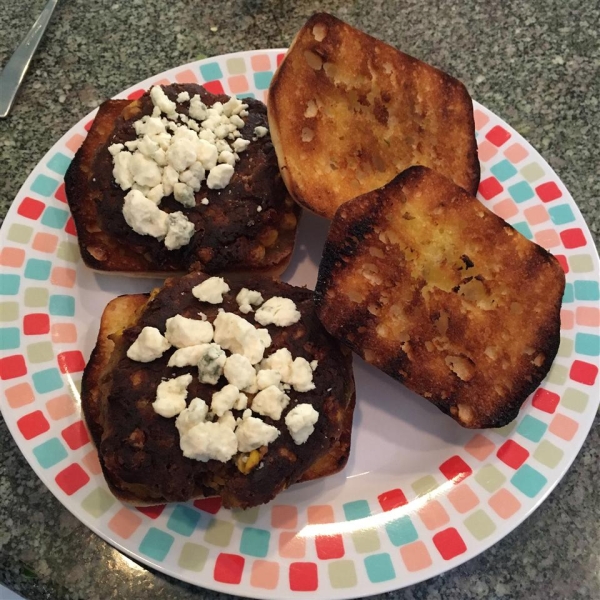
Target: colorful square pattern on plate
377, 538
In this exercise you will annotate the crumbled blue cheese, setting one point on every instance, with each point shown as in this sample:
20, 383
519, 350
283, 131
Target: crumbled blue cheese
239, 336
267, 377
228, 420
260, 131
211, 290
179, 231
224, 399
183, 332
238, 370
280, 361
241, 403
270, 402
188, 357
171, 395
301, 376
252, 433
195, 413
211, 363
175, 158
246, 299
149, 345
277, 311
300, 422
219, 176
209, 441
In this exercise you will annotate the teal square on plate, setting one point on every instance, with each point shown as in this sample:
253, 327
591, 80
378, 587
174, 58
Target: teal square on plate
531, 428
38, 269
401, 531
156, 544
587, 290
44, 185
523, 228
503, 170
59, 163
245, 95
255, 542
359, 509
55, 217
10, 338
47, 380
379, 568
568, 294
61, 306
9, 284
521, 192
529, 481
262, 79
183, 520
561, 214
587, 344
50, 453
211, 71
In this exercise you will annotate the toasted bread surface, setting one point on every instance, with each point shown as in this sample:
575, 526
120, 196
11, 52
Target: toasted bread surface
249, 225
139, 450
348, 112
424, 282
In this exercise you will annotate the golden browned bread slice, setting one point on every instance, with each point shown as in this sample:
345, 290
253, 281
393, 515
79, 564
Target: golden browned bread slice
139, 450
348, 112
424, 282
249, 225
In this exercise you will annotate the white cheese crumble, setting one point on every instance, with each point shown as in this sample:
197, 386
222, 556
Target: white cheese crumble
267, 377
183, 97
253, 433
260, 131
224, 400
183, 332
211, 363
219, 176
179, 231
192, 415
209, 441
270, 402
171, 395
187, 357
277, 311
211, 290
239, 336
238, 370
149, 345
246, 299
143, 216
301, 376
228, 420
300, 422
280, 361
241, 403
204, 201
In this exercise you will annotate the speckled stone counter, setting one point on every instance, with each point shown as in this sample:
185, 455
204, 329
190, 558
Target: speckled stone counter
536, 64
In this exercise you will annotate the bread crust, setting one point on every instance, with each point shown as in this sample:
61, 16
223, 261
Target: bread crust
423, 281
348, 112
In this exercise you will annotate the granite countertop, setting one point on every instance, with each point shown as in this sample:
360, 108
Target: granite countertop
535, 63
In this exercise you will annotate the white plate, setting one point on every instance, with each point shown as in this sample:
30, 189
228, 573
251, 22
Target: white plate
420, 495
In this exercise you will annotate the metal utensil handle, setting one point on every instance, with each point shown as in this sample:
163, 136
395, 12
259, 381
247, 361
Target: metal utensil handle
14, 72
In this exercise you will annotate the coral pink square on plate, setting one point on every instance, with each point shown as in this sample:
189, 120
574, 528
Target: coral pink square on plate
415, 556
504, 504
548, 238
480, 447
265, 574
19, 395
238, 84
506, 208
536, 214
563, 427
125, 523
516, 153
12, 257
261, 62
463, 498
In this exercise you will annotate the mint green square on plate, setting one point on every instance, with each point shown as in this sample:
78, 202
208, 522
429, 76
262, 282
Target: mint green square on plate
379, 567
156, 544
529, 481
50, 453
255, 542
